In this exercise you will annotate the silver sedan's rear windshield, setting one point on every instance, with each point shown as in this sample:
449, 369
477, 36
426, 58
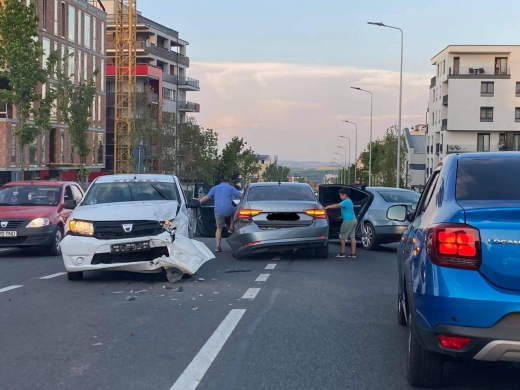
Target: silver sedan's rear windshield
280, 193
399, 196
130, 192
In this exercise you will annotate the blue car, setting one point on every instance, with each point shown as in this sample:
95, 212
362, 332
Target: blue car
459, 265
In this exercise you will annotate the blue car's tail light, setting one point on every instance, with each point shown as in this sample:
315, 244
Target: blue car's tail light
455, 246
453, 342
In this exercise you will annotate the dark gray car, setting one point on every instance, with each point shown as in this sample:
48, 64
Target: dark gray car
274, 217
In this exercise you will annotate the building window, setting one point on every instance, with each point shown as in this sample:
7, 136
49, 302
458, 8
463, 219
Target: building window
517, 89
86, 31
102, 38
502, 139
434, 95
72, 153
94, 148
487, 88
43, 149
44, 14
55, 17
62, 147
13, 146
80, 67
70, 68
102, 78
46, 46
80, 24
33, 149
72, 24
110, 86
486, 114
63, 20
100, 149
94, 35
516, 142
99, 109
85, 67
483, 142
517, 114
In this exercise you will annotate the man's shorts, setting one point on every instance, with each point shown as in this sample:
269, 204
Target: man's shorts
348, 229
221, 219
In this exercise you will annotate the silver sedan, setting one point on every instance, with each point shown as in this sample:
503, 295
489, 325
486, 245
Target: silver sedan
377, 229
274, 217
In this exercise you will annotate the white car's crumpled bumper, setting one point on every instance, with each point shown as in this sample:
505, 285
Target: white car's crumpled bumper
185, 254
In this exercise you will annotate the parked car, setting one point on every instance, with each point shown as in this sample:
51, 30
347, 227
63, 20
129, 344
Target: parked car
139, 223
459, 265
277, 217
32, 213
377, 228
361, 198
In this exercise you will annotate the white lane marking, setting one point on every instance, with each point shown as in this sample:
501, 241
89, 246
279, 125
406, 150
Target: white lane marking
270, 266
9, 288
4, 249
251, 293
193, 374
262, 278
277, 258
53, 275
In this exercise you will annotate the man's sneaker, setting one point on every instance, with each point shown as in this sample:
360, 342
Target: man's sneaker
352, 256
218, 249
339, 255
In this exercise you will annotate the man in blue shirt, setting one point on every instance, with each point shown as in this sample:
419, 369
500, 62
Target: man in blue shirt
223, 195
349, 225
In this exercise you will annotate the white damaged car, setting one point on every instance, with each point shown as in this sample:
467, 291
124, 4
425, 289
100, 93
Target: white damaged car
137, 223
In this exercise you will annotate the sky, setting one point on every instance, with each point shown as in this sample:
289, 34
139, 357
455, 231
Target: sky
278, 73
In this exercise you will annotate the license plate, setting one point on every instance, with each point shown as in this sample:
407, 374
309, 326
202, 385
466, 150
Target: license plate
8, 234
130, 247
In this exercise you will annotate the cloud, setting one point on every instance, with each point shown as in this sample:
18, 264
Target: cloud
294, 111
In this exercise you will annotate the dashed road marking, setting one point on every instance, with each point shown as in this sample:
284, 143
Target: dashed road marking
53, 275
251, 293
262, 278
270, 266
9, 288
193, 374
277, 258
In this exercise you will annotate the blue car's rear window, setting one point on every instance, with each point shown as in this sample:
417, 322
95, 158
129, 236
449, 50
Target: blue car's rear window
488, 179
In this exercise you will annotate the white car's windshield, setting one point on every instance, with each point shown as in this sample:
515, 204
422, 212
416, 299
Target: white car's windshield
130, 192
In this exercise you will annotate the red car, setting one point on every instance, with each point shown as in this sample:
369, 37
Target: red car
32, 213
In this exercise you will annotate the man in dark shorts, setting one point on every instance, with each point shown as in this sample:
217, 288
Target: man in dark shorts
223, 195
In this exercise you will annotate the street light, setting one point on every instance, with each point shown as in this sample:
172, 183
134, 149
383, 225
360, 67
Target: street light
355, 151
345, 162
341, 136
339, 154
398, 179
370, 153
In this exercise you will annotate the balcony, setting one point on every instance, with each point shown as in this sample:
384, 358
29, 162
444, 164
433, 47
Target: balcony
152, 49
444, 125
480, 73
433, 82
461, 148
188, 106
445, 100
188, 84
154, 98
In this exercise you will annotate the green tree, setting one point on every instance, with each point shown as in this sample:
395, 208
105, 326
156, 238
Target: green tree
20, 53
248, 165
208, 157
75, 102
169, 143
230, 158
276, 173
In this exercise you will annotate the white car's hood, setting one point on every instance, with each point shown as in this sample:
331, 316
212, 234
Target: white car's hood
161, 210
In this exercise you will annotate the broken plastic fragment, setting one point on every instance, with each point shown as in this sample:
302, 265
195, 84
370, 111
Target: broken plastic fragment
118, 292
180, 289
195, 308
129, 298
200, 279
157, 296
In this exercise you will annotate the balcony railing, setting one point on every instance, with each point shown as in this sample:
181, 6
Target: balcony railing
445, 100
188, 106
478, 71
463, 148
187, 81
444, 125
433, 82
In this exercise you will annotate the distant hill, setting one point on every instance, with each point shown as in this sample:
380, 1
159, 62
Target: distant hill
303, 164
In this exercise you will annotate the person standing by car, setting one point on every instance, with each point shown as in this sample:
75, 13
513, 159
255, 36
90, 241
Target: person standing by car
223, 195
348, 227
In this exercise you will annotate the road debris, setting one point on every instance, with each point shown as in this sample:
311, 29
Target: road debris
200, 279
195, 308
129, 298
237, 270
118, 292
157, 296
180, 289
98, 344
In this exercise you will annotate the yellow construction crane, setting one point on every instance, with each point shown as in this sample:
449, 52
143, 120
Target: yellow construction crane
125, 61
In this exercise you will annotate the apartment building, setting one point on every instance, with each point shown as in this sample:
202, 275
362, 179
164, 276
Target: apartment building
474, 102
264, 160
161, 71
415, 171
72, 26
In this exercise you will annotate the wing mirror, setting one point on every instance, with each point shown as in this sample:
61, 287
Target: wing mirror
397, 213
413, 207
69, 204
193, 204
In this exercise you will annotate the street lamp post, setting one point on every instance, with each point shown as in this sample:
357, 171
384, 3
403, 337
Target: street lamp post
349, 164
341, 174
355, 151
398, 179
370, 152
344, 162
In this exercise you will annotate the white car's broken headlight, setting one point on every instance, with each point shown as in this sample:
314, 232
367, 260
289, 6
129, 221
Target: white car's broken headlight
81, 228
170, 226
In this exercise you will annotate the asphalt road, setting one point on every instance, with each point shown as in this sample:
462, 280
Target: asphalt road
310, 324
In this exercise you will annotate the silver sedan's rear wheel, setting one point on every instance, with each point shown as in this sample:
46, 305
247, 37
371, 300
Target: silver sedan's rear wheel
369, 239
